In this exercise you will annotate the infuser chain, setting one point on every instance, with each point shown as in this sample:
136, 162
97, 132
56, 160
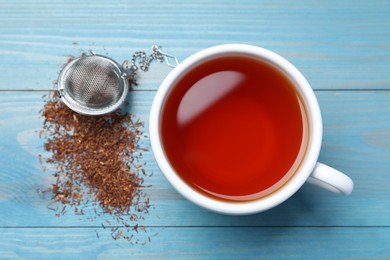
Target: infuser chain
145, 60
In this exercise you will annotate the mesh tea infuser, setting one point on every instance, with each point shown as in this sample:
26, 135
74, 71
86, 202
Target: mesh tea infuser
96, 85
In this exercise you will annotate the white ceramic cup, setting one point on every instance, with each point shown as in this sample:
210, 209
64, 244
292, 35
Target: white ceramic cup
309, 171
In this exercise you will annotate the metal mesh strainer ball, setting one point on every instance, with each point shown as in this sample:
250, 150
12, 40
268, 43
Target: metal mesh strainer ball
97, 85
93, 85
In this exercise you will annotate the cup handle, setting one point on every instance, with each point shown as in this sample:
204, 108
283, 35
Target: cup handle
331, 179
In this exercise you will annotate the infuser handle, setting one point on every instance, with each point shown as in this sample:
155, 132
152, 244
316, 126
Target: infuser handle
331, 179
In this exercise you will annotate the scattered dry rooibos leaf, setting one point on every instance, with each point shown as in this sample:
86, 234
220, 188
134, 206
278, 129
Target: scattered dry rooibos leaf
96, 164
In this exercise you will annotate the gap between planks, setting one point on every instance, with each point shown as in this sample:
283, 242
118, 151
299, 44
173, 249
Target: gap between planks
154, 90
201, 226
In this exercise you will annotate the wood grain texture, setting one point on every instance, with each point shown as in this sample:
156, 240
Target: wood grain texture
336, 44
356, 134
200, 243
341, 46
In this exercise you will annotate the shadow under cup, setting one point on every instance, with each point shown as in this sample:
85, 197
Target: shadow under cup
234, 128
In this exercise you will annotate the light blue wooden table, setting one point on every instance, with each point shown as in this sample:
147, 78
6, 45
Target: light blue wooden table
341, 46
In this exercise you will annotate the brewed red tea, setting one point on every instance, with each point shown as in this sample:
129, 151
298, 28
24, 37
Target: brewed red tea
234, 128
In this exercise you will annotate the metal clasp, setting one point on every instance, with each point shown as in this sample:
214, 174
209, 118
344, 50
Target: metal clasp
167, 57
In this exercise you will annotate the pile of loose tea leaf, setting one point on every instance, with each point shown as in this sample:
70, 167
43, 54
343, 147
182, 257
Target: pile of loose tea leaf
96, 165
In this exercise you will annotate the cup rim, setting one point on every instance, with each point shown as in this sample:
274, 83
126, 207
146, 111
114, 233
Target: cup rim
298, 178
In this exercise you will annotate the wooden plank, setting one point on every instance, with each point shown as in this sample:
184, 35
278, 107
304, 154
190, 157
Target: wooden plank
200, 243
336, 44
356, 141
